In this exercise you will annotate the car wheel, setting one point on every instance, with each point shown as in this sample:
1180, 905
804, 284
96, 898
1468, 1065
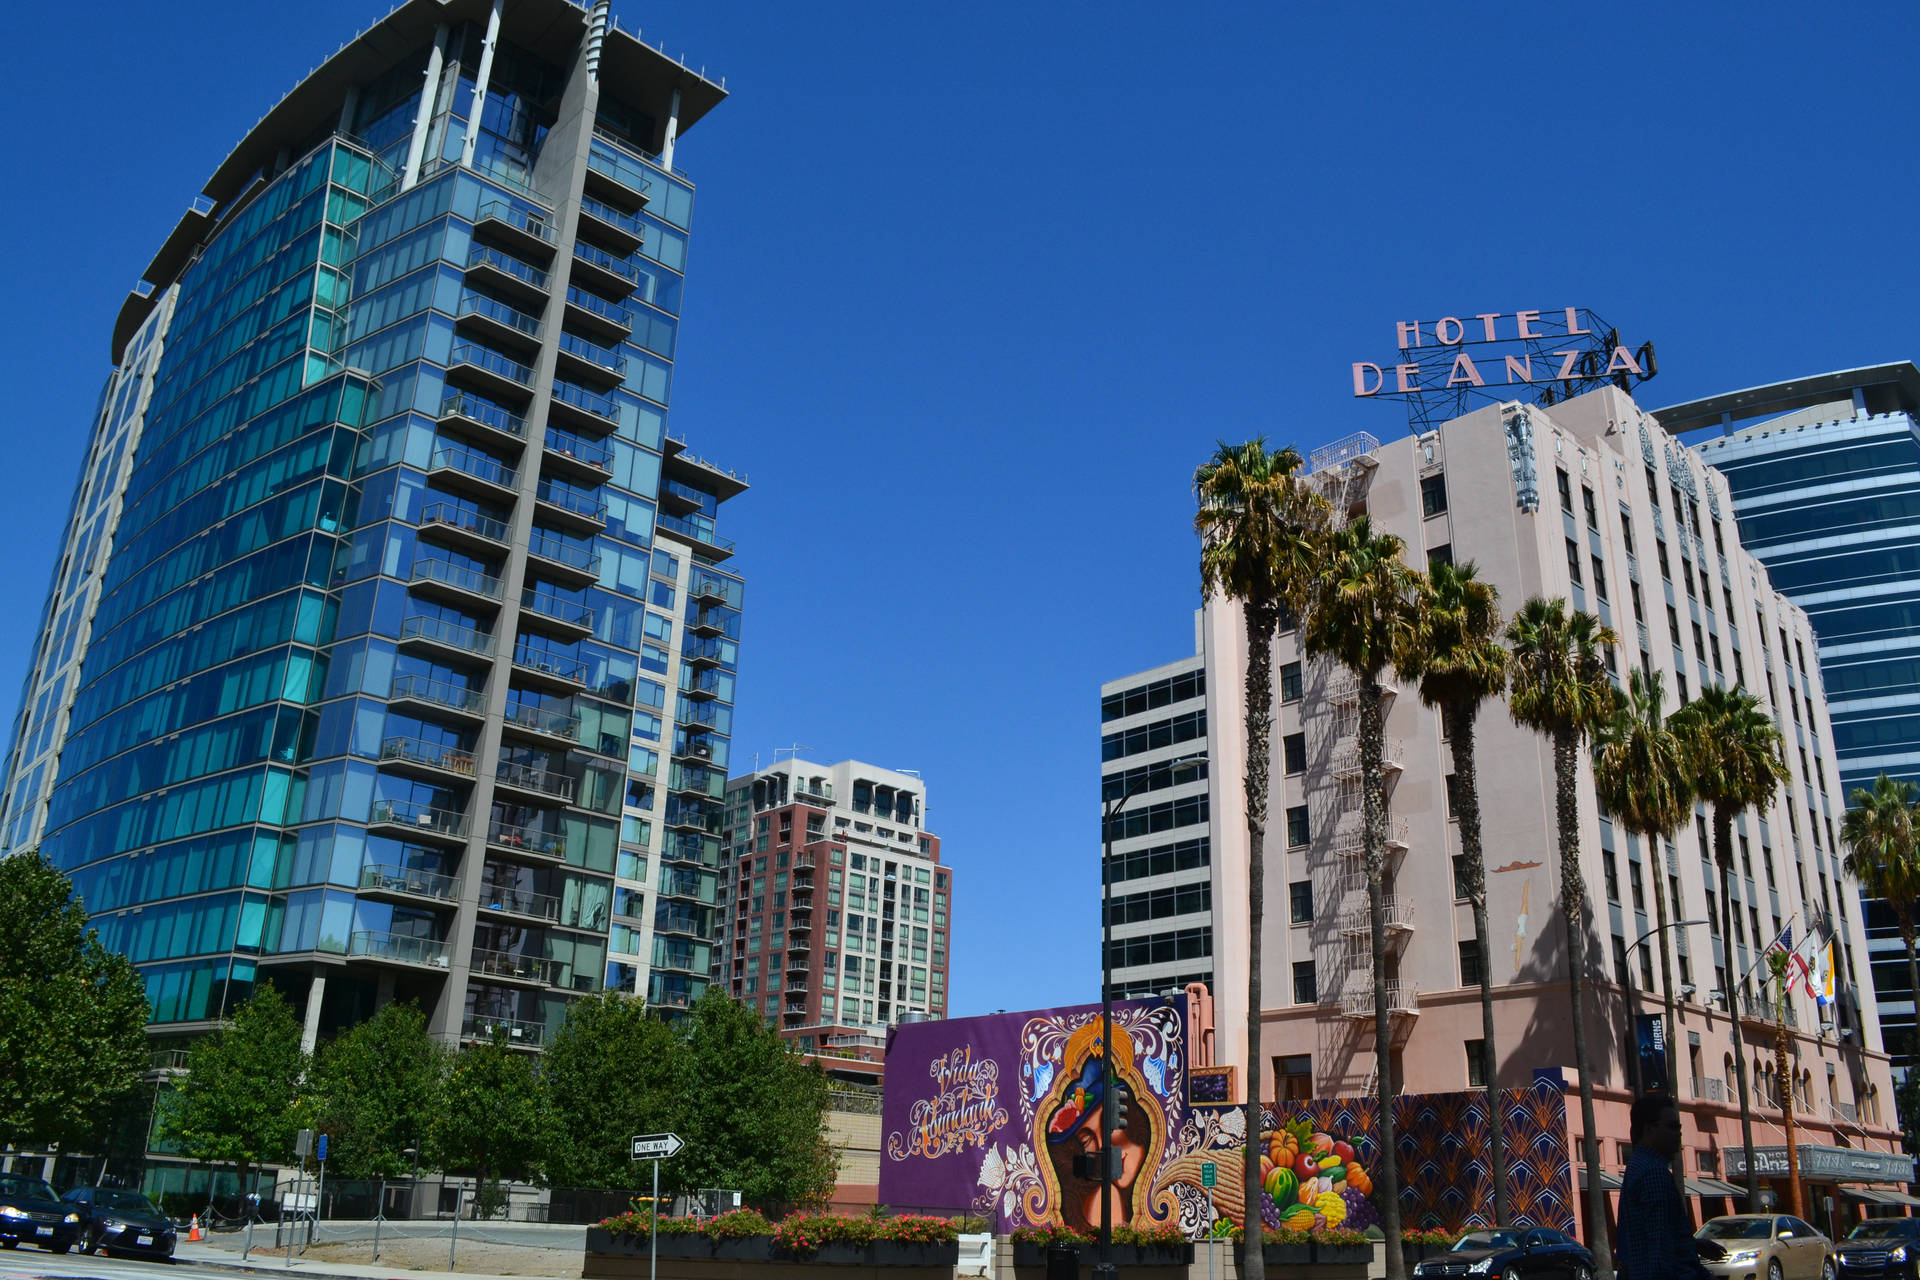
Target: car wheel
1826, 1270
60, 1248
1773, 1270
1583, 1272
1510, 1274
9, 1244
90, 1240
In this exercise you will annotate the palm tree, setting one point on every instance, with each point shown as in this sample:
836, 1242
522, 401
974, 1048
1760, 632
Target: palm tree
1734, 751
1640, 774
1454, 651
1260, 527
1561, 689
1361, 614
1879, 832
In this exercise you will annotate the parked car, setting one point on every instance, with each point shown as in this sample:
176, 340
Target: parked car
31, 1214
1512, 1253
1880, 1249
1764, 1246
121, 1222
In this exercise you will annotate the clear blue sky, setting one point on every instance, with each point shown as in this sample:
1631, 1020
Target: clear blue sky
974, 287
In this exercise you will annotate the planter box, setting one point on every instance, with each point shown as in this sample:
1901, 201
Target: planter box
1276, 1255
1123, 1255
1335, 1255
600, 1240
696, 1254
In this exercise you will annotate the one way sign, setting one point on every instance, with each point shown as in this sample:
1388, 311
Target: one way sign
656, 1146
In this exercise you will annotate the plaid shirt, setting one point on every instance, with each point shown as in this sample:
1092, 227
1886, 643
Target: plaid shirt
1656, 1231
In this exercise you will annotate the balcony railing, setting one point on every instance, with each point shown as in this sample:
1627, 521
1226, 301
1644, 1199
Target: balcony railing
1357, 1001
607, 262
382, 877
1346, 757
450, 634
612, 312
580, 449
538, 778
607, 213
420, 817
557, 723
548, 663
520, 902
432, 754
492, 361
462, 404
506, 835
519, 1034
519, 968
477, 465
593, 353
552, 606
479, 304
560, 551
1349, 837
447, 515
581, 504
507, 264
587, 401
403, 948
603, 159
534, 224
448, 574
421, 688
1396, 914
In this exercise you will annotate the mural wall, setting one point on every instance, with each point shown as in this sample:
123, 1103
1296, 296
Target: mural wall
985, 1116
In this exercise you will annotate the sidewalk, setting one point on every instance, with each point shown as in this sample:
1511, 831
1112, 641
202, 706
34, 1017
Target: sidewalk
476, 1258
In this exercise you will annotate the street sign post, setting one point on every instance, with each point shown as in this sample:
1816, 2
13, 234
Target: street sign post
655, 1147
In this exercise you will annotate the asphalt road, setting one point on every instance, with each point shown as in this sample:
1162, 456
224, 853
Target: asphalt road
28, 1263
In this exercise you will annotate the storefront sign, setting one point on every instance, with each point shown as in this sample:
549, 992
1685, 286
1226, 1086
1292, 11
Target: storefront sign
1840, 1164
1651, 1032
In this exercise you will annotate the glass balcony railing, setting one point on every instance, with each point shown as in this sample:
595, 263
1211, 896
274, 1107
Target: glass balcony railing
607, 262
580, 449
434, 755
703, 650
608, 214
507, 264
517, 968
520, 902
477, 465
593, 353
507, 835
534, 224
447, 515
581, 504
387, 878
420, 817
612, 312
587, 401
492, 361
512, 1031
552, 606
700, 531
558, 550
463, 404
553, 664
404, 948
456, 575
420, 688
478, 304
534, 777
602, 158
451, 634
559, 724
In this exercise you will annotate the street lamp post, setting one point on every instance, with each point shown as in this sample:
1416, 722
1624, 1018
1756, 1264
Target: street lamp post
1189, 766
1633, 1036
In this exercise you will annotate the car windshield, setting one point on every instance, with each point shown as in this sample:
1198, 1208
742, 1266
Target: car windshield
1885, 1227
1737, 1229
13, 1184
1486, 1240
128, 1201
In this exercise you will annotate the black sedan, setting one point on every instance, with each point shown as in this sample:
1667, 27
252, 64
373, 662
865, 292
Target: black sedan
121, 1222
31, 1214
1512, 1253
1880, 1249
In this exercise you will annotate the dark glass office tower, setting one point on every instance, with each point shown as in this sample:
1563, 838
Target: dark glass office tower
391, 650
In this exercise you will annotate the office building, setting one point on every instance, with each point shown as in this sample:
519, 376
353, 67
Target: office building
1160, 876
839, 911
1824, 473
390, 653
1591, 500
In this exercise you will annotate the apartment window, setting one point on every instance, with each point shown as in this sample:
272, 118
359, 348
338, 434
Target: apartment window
1293, 1077
1305, 991
1294, 748
1442, 554
1639, 606
1433, 495
1573, 561
1300, 898
1453, 795
1638, 887
1686, 575
1673, 625
1680, 687
1653, 488
1290, 682
1297, 826
1739, 671
1719, 544
1660, 549
1460, 876
1470, 962
1476, 1064
1566, 490
1699, 643
1611, 874
1599, 578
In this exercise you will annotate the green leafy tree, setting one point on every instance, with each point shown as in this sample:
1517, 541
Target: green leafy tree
752, 1110
73, 1015
1260, 530
614, 1070
1361, 615
239, 1101
372, 1088
1880, 832
1736, 760
1560, 689
491, 1121
1454, 651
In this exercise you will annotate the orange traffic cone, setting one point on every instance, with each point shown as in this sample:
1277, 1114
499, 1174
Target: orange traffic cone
193, 1232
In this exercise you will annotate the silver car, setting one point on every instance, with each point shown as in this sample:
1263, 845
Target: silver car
1764, 1246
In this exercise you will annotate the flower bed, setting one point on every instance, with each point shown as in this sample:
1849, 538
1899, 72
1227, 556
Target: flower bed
909, 1240
1422, 1243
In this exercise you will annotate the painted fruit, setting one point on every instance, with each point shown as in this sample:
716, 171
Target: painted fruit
1344, 1150
1282, 1186
1359, 1179
1322, 1144
1300, 1219
1332, 1208
1330, 1162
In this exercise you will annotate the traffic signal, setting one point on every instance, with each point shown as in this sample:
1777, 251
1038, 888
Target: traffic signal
1122, 1104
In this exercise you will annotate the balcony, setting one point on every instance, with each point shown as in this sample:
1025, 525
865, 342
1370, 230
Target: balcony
556, 614
412, 820
620, 232
531, 781
580, 512
564, 562
706, 653
431, 760
523, 230
521, 903
1343, 686
389, 883
448, 581
604, 273
1710, 1088
527, 719
398, 948
555, 672
507, 274
700, 686
684, 923
486, 421
678, 498
1346, 757
1403, 999
1349, 837
514, 1033
708, 622
489, 371
616, 177
444, 639
520, 970
1397, 910
469, 530
697, 533
577, 458
474, 473
589, 311
583, 408
494, 321
439, 695
589, 362
529, 842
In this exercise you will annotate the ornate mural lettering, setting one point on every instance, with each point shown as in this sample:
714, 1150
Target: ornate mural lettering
963, 1111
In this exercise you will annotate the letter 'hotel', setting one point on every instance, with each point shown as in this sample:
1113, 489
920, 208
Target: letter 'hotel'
390, 651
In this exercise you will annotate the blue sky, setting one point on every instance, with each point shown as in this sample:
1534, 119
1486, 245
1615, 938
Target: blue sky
973, 288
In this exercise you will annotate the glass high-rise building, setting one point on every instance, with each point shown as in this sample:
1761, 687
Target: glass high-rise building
391, 650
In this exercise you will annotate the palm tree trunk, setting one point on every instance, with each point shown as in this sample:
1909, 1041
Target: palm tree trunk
1656, 849
1907, 935
1468, 785
1373, 812
1723, 858
1261, 619
1573, 905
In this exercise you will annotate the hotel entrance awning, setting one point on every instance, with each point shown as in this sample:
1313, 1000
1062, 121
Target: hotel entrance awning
1713, 1187
1873, 1195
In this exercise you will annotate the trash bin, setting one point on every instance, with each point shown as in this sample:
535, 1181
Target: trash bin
1063, 1262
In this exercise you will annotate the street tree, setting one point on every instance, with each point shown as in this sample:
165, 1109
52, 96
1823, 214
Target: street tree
73, 1015
1880, 833
239, 1101
372, 1087
613, 1070
491, 1120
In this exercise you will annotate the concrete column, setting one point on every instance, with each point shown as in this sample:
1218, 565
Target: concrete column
673, 131
316, 994
429, 91
480, 80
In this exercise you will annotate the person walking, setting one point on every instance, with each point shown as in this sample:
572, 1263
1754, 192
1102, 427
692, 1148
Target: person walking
1656, 1232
